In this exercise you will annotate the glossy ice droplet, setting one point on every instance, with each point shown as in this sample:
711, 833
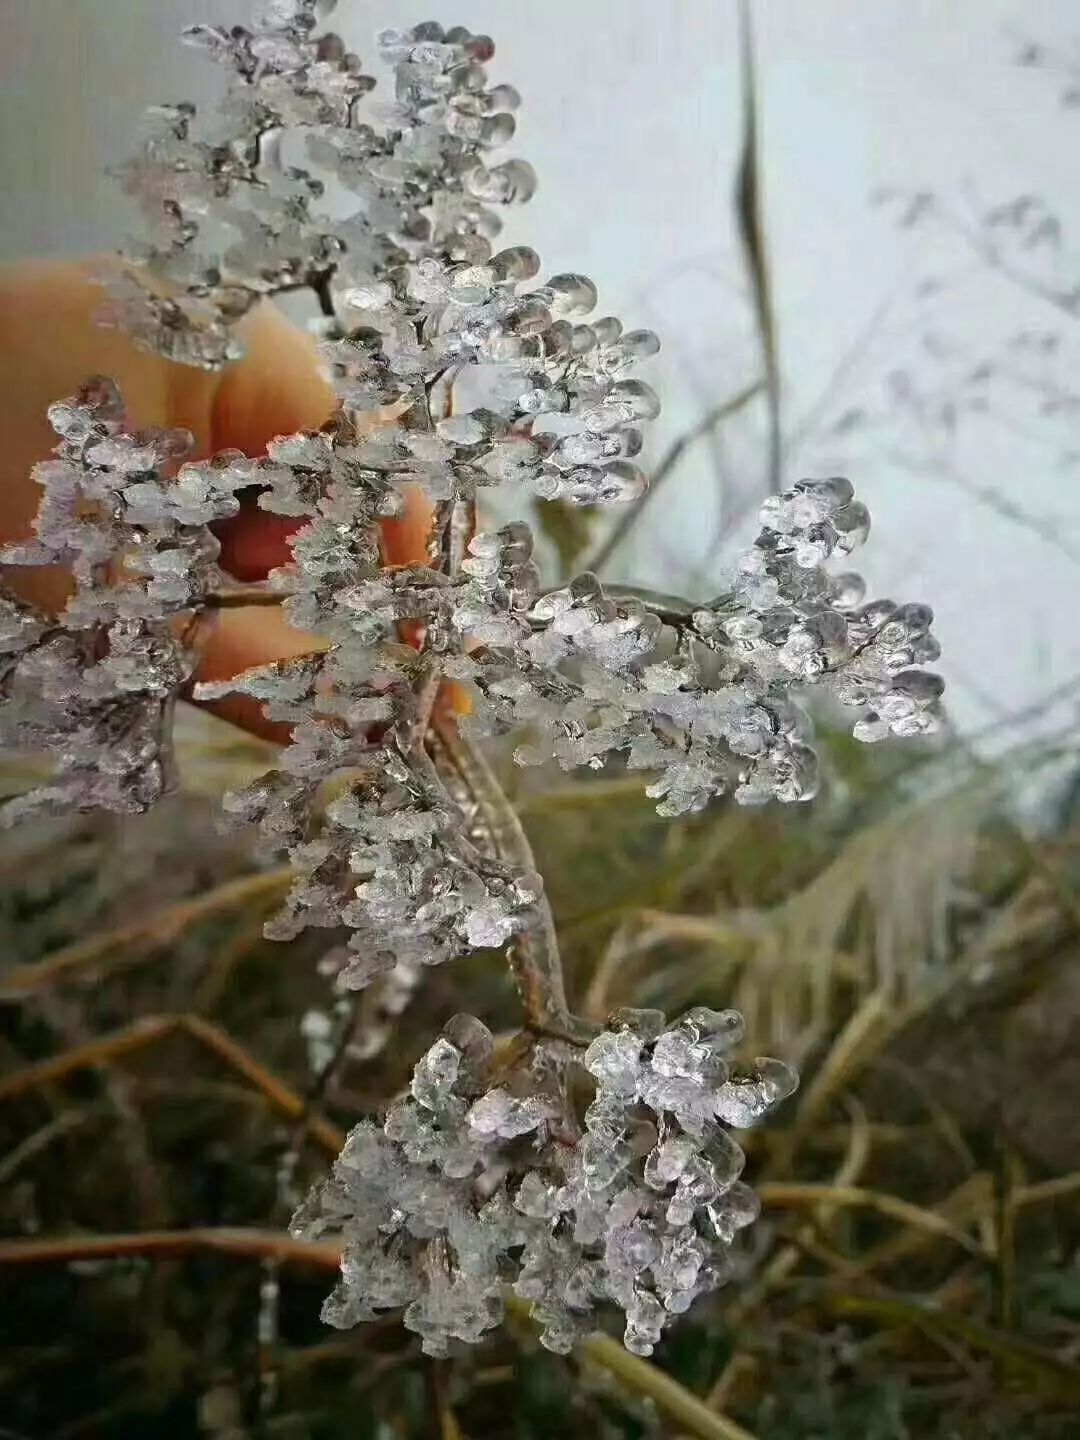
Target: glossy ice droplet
513, 182
570, 294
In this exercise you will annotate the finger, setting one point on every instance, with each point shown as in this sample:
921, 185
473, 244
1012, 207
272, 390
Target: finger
275, 390
50, 344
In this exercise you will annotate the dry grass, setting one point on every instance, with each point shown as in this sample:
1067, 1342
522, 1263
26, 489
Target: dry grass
926, 1250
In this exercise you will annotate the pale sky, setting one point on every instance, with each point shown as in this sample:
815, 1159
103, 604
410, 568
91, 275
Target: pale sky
630, 117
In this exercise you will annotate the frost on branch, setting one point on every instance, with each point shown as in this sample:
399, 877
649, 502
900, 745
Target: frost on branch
707, 699
456, 371
94, 686
469, 1186
233, 207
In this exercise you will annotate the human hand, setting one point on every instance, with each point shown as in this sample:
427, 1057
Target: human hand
50, 344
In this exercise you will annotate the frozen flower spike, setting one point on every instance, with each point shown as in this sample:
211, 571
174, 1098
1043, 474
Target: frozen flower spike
459, 368
471, 1186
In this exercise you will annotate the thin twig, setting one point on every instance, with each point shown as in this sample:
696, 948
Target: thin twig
962, 1205
668, 463
939, 467
148, 1031
833, 386
224, 1240
1047, 1191
67, 1120
780, 1196
861, 1037
243, 597
161, 926
637, 1375
219, 970
741, 1363
1065, 302
782, 1263
133, 1140
749, 212
1041, 1366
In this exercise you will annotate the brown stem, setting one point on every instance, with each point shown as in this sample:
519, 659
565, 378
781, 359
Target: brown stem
637, 1375
243, 597
783, 1196
534, 955
148, 1031
160, 927
271, 1244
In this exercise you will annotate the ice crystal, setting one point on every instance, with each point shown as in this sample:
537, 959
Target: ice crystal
457, 370
233, 216
465, 1189
94, 686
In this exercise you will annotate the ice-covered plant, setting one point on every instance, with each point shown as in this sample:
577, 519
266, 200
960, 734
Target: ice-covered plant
401, 840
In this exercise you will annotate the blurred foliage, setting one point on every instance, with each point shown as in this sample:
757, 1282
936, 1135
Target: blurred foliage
904, 938
566, 528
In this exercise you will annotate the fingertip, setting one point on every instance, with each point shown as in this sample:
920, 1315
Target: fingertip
275, 389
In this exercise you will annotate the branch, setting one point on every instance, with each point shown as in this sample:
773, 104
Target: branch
534, 956
161, 926
148, 1031
669, 461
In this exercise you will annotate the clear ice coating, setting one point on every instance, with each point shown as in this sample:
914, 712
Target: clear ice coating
457, 369
465, 1189
93, 686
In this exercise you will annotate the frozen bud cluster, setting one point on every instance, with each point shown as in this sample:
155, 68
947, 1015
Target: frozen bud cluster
389, 860
233, 204
710, 699
554, 407
94, 685
815, 622
412, 286
469, 1186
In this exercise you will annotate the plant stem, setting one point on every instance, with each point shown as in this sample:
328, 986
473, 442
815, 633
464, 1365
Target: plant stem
640, 1377
668, 463
243, 597
534, 955
223, 1240
781, 1196
152, 1028
160, 927
750, 218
